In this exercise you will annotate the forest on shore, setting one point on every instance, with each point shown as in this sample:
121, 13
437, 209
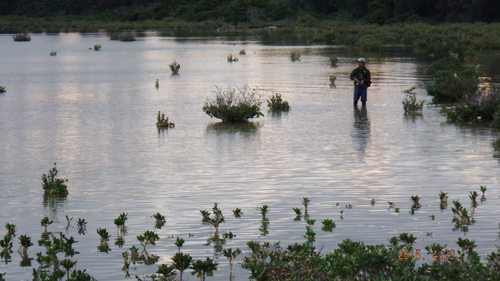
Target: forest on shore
254, 11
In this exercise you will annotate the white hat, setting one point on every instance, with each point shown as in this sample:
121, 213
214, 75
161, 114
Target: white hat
361, 59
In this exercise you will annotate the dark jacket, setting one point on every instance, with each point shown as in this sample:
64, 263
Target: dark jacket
362, 73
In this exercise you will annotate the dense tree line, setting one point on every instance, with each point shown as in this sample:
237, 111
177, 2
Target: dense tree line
248, 11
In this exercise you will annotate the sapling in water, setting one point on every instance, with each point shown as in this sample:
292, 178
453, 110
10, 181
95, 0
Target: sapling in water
174, 67
45, 222
231, 257
328, 225
179, 242
231, 58
53, 185
148, 237
181, 262
205, 268
295, 56
11, 229
305, 202
237, 213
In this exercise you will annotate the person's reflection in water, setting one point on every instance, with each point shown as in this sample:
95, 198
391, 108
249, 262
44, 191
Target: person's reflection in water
361, 134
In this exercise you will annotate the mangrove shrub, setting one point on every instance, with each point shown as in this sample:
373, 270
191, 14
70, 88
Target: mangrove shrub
53, 185
452, 81
234, 104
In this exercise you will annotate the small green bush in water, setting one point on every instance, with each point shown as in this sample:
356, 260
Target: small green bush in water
52, 185
234, 104
410, 103
126, 37
162, 121
21, 37
2, 89
295, 56
175, 67
452, 81
276, 103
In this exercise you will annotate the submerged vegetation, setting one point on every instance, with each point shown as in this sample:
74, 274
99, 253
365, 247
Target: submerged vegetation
21, 37
276, 103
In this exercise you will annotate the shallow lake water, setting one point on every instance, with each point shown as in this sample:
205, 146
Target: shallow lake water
94, 114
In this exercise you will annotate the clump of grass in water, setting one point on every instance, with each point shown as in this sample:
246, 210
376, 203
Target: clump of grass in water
3, 89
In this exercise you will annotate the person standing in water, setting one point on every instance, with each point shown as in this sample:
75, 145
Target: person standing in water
362, 80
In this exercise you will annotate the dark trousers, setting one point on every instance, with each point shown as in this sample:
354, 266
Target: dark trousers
360, 92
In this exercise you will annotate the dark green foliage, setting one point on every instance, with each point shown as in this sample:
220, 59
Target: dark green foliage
452, 81
205, 268
52, 185
2, 89
162, 121
21, 37
234, 104
125, 37
276, 103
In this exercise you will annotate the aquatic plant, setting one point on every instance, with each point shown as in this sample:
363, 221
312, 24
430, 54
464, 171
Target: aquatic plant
82, 225
452, 81
242, 52
234, 104
473, 198
295, 56
22, 37
328, 225
205, 268
410, 103
436, 250
97, 47
120, 221
2, 89
67, 264
148, 237
467, 249
45, 222
11, 229
179, 242
25, 242
174, 67
6, 243
104, 234
305, 202
231, 257
53, 53
372, 202
159, 220
52, 185
263, 211
162, 121
276, 103
483, 189
416, 202
167, 272
157, 83
237, 213
407, 239
231, 58
333, 61
124, 37
264, 226
181, 262
333, 77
